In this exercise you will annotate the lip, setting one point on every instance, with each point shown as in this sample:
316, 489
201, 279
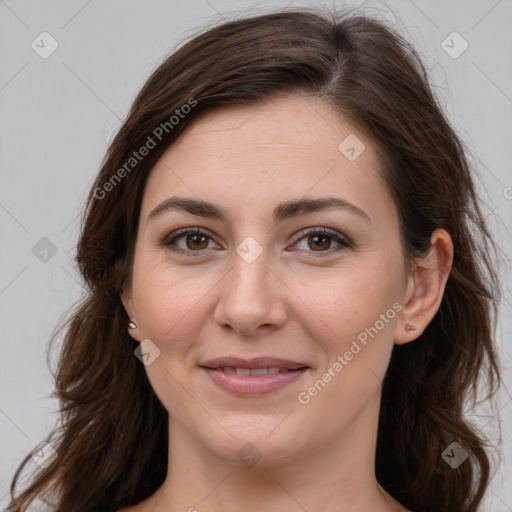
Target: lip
256, 362
253, 385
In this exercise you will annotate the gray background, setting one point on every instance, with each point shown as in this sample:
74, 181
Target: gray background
58, 114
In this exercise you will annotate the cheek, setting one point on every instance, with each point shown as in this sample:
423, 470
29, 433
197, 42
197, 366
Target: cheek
353, 323
168, 301
345, 302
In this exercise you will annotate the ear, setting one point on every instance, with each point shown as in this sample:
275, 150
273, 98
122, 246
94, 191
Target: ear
425, 288
127, 300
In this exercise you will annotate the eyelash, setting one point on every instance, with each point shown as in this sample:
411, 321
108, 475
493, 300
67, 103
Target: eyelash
304, 233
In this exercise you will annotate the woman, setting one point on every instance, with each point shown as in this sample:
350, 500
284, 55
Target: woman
291, 292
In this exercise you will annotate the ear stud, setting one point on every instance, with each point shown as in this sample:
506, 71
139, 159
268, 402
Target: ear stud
131, 325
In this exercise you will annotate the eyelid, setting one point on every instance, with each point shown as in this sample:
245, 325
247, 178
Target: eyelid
320, 230
184, 231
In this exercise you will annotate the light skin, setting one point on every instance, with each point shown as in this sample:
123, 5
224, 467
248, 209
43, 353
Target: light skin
287, 303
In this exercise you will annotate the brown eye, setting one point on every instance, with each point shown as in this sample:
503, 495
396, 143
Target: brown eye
190, 241
193, 241
320, 240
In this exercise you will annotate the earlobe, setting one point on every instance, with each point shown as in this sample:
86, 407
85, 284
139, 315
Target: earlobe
127, 301
425, 288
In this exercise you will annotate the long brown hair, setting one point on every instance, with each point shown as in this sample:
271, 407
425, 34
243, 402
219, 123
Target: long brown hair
112, 441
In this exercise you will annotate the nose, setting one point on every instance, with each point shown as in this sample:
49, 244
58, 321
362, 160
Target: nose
252, 297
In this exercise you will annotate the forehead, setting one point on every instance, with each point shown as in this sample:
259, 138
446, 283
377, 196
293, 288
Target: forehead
304, 124
284, 148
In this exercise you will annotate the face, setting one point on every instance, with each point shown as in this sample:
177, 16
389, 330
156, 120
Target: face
259, 281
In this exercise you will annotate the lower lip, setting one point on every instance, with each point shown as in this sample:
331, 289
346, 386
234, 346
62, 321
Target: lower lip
247, 385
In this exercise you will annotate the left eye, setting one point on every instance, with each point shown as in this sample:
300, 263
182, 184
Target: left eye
196, 241
318, 239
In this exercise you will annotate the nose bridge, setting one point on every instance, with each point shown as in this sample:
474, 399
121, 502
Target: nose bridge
250, 295
250, 271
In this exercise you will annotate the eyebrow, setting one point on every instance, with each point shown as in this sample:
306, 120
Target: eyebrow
281, 212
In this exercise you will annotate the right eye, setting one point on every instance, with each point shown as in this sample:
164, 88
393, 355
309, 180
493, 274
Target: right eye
193, 240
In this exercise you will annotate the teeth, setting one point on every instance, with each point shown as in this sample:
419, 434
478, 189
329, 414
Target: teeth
255, 371
259, 371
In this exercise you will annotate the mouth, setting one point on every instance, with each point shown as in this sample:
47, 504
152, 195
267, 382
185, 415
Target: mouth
253, 377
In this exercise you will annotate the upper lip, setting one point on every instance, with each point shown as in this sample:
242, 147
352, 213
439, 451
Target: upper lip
257, 362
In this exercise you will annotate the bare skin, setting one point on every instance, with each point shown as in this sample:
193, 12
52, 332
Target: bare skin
208, 302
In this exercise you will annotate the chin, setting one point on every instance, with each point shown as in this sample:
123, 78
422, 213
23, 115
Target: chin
255, 441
